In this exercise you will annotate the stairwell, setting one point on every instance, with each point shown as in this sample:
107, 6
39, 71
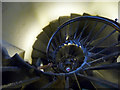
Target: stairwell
87, 45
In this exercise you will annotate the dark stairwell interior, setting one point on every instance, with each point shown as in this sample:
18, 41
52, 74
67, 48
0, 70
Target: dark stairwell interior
84, 50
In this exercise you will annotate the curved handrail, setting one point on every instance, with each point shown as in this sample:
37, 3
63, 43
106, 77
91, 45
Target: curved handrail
108, 21
101, 19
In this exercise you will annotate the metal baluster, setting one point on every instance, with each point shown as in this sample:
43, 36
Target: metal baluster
85, 26
76, 30
103, 67
102, 40
94, 37
77, 82
108, 48
103, 58
53, 46
113, 85
60, 37
90, 32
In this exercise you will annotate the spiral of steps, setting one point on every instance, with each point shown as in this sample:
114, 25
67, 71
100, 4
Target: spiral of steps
83, 49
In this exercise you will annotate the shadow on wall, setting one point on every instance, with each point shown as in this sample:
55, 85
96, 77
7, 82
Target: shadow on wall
20, 25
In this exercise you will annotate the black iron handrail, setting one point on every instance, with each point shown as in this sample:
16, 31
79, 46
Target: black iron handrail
112, 23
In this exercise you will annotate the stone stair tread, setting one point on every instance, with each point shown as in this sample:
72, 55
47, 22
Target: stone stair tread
47, 30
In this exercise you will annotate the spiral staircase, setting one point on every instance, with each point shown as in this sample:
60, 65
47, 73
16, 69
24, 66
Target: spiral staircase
83, 49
